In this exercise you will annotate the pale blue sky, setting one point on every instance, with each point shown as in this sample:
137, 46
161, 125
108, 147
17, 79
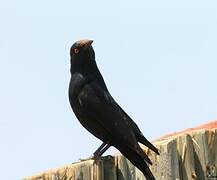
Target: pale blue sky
158, 59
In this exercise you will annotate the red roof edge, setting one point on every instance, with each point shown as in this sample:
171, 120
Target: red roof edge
208, 126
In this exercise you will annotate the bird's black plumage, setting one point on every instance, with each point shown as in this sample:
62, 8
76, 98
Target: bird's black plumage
99, 113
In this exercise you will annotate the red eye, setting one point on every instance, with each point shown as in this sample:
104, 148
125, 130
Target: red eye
76, 50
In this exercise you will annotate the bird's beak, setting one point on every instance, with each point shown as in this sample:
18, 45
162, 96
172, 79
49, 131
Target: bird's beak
88, 43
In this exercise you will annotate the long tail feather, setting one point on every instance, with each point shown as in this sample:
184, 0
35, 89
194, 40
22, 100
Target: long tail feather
138, 161
145, 142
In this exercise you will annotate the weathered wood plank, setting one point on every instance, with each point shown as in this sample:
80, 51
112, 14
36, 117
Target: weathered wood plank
101, 169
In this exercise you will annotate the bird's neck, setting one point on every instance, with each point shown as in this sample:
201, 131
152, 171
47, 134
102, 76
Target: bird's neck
89, 71
84, 67
87, 68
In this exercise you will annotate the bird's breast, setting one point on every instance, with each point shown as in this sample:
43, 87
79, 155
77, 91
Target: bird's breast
76, 84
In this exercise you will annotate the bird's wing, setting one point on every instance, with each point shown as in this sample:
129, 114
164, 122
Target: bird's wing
97, 105
126, 118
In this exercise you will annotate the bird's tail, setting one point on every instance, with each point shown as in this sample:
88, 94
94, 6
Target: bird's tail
137, 160
145, 142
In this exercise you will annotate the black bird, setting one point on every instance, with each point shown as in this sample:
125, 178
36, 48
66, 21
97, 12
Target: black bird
99, 113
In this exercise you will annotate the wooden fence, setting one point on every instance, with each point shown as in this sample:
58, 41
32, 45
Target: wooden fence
188, 155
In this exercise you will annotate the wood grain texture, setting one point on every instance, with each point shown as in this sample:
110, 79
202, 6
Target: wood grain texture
191, 155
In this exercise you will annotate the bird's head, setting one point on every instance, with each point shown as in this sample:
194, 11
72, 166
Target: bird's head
82, 50
83, 57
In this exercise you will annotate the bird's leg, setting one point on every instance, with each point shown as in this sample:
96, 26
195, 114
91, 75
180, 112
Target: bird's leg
101, 150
